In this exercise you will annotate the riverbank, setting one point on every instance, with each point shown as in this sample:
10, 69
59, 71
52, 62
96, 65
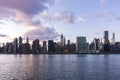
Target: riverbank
68, 53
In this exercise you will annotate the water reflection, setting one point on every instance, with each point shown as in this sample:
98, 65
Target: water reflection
60, 67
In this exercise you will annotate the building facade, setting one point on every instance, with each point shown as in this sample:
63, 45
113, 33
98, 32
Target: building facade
81, 44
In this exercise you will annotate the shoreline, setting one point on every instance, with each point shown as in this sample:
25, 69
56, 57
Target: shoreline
63, 53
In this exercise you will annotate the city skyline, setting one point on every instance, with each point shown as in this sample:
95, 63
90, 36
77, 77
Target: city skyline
63, 46
45, 20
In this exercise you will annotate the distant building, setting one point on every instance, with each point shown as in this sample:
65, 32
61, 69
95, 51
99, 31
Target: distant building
62, 40
97, 44
117, 45
20, 45
10, 48
57, 47
6, 46
51, 46
26, 47
44, 48
15, 44
106, 45
72, 48
81, 44
113, 39
106, 37
36, 48
68, 45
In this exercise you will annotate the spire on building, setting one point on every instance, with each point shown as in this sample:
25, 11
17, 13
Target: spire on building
62, 40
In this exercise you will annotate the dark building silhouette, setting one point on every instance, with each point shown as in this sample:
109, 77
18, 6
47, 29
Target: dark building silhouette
57, 47
10, 48
36, 48
20, 45
51, 46
106, 37
44, 48
106, 45
15, 44
26, 47
68, 45
97, 44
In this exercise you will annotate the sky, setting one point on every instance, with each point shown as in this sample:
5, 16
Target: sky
48, 19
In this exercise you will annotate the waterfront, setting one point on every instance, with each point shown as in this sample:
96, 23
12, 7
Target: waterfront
60, 67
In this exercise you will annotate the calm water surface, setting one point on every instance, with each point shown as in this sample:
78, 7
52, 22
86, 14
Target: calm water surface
60, 67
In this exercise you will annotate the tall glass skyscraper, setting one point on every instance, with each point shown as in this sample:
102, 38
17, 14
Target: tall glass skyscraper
81, 44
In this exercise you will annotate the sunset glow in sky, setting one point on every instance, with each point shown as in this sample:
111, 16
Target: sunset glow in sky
47, 19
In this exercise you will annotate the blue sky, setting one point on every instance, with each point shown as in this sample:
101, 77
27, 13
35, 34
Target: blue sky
47, 19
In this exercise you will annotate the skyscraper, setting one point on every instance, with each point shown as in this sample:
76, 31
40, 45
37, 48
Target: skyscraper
36, 48
20, 45
44, 47
96, 44
51, 46
15, 44
106, 46
26, 47
113, 39
106, 37
81, 44
62, 40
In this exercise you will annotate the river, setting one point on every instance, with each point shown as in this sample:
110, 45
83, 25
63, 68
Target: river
60, 67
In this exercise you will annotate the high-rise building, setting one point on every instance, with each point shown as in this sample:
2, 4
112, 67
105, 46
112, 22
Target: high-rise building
10, 48
106, 37
26, 47
36, 48
96, 44
81, 44
106, 45
44, 47
51, 46
20, 45
15, 44
62, 40
113, 39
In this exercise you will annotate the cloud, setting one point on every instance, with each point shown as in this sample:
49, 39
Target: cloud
3, 35
30, 7
108, 15
27, 20
6, 13
103, 2
65, 17
43, 33
37, 31
26, 13
118, 17
80, 19
1, 23
46, 17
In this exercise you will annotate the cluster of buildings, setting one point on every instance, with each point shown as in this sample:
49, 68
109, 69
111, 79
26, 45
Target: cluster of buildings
97, 45
81, 45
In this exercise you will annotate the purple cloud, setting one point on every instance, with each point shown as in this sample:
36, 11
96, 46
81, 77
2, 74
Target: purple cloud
65, 17
43, 33
3, 35
27, 6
